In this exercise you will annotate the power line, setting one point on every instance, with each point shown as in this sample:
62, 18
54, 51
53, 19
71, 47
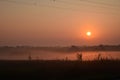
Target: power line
105, 7
64, 2
36, 4
57, 7
101, 3
91, 3
18, 2
69, 3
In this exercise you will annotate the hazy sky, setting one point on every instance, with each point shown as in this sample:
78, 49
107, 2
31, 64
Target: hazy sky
59, 22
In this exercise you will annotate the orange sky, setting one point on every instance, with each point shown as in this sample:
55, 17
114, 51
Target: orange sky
63, 22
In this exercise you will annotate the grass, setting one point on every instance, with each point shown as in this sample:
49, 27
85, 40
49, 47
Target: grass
61, 69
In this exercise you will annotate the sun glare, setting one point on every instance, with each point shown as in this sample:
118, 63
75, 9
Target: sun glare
88, 33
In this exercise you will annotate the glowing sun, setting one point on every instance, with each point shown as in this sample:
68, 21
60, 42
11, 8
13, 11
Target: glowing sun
88, 33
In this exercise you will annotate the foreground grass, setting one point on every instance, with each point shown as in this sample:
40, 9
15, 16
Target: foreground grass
61, 70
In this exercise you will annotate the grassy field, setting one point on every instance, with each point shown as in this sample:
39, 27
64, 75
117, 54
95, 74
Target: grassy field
61, 70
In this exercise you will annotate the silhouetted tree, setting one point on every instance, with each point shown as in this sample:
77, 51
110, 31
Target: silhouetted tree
99, 56
79, 56
29, 57
74, 48
66, 58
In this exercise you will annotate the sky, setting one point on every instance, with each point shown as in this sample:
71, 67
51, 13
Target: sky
59, 22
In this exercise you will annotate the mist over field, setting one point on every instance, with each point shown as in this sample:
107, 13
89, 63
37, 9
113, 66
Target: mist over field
60, 39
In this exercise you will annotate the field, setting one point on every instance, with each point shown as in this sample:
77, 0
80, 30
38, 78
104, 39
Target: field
60, 70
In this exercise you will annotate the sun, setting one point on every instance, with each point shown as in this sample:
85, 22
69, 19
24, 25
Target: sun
88, 33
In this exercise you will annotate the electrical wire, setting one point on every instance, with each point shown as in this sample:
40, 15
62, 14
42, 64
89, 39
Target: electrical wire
54, 6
